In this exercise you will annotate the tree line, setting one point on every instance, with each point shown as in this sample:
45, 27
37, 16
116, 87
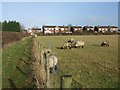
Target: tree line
12, 26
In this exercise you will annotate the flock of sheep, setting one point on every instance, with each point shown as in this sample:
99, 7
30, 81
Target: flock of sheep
73, 44
77, 44
52, 59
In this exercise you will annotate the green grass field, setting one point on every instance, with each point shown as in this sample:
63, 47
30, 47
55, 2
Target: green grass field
16, 71
92, 66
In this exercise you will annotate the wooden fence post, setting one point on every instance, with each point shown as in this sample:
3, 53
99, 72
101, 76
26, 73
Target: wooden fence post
66, 81
47, 71
41, 53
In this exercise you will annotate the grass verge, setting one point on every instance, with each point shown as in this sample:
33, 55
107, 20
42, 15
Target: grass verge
16, 62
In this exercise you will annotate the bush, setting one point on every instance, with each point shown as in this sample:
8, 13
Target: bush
10, 37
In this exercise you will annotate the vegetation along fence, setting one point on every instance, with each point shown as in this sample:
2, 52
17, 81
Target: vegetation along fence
43, 77
10, 37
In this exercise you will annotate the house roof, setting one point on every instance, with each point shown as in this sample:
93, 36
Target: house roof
106, 26
80, 26
24, 30
88, 26
61, 26
113, 26
36, 28
76, 26
49, 26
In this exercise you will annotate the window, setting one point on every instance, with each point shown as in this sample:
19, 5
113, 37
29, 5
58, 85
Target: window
88, 29
45, 28
62, 28
76, 29
56, 28
114, 29
65, 28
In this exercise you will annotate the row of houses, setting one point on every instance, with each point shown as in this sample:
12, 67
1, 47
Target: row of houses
71, 29
61, 29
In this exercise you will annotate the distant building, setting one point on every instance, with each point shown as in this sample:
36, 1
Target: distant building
77, 28
72, 29
64, 29
88, 28
24, 31
61, 29
113, 28
49, 29
34, 30
104, 29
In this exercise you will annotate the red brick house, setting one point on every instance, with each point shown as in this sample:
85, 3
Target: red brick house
71, 29
88, 28
60, 29
104, 29
34, 30
113, 28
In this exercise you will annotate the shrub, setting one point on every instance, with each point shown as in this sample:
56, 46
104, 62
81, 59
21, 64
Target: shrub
10, 37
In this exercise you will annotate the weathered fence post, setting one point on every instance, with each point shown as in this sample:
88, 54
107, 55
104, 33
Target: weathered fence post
66, 81
47, 70
38, 69
41, 55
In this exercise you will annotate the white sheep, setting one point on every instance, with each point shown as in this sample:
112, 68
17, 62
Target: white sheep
52, 61
71, 40
79, 43
105, 43
66, 45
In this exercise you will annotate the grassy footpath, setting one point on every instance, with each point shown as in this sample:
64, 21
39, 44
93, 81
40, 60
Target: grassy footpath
16, 60
91, 67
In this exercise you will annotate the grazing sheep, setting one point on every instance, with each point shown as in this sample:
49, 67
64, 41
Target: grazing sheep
52, 63
79, 44
71, 40
66, 46
47, 50
105, 43
52, 60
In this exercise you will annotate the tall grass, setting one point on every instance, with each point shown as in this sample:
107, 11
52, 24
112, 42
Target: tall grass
38, 67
